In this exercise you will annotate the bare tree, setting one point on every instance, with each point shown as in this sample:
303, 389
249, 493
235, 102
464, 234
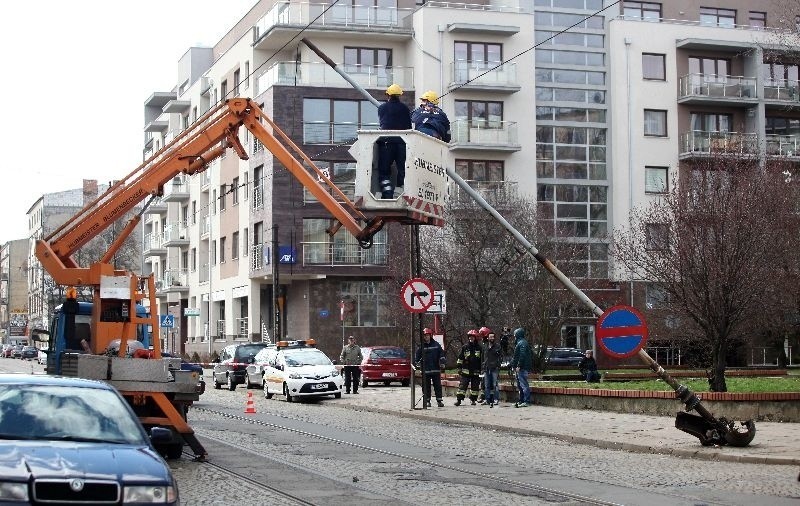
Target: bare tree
710, 245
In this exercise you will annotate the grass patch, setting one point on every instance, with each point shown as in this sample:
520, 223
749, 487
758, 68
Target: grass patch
741, 385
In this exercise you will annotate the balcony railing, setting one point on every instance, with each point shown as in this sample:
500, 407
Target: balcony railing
715, 86
481, 73
242, 328
175, 232
494, 192
783, 145
324, 132
176, 278
257, 257
784, 90
501, 133
698, 141
220, 334
321, 74
176, 189
344, 253
257, 202
152, 243
302, 13
349, 190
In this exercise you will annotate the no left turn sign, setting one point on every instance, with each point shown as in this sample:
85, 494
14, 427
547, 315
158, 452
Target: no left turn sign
417, 295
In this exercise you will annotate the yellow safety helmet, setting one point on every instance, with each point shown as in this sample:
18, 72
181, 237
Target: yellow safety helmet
394, 89
431, 97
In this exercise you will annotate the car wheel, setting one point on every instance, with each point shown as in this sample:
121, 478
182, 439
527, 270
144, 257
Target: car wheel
405, 383
337, 395
289, 398
217, 384
173, 451
231, 384
267, 393
387, 383
247, 384
364, 382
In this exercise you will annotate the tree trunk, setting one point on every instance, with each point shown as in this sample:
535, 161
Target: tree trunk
716, 377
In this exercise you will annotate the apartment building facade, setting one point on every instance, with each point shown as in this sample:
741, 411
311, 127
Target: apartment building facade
13, 292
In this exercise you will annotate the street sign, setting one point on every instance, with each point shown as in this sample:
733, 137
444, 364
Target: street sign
417, 295
191, 311
621, 331
439, 304
167, 321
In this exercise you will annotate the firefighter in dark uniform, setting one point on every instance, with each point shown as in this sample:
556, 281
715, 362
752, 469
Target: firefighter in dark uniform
469, 364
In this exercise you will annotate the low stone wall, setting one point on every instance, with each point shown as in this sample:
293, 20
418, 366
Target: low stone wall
772, 407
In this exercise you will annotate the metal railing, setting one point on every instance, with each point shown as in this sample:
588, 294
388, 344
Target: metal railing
782, 145
785, 90
716, 86
325, 132
220, 330
479, 73
696, 22
302, 13
152, 241
494, 192
176, 277
700, 141
257, 257
321, 74
349, 190
466, 131
665, 355
243, 328
344, 253
257, 202
768, 356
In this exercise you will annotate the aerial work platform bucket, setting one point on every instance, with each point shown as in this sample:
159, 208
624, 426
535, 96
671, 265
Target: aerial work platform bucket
425, 186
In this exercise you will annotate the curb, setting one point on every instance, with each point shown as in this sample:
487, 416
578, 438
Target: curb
598, 443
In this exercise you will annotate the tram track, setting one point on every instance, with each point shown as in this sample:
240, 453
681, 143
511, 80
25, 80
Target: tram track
543, 493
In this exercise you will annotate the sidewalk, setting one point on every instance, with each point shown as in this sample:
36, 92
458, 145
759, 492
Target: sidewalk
774, 443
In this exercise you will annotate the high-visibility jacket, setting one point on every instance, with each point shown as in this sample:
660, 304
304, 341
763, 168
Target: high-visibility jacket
470, 359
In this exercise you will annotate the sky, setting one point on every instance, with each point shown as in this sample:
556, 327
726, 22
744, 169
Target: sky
75, 78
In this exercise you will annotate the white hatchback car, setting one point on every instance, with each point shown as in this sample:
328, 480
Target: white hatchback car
299, 370
42, 357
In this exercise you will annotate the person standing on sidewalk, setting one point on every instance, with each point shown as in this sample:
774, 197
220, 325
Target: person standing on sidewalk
351, 358
430, 358
493, 356
469, 367
522, 362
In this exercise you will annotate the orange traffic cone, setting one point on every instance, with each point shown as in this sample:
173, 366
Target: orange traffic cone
250, 407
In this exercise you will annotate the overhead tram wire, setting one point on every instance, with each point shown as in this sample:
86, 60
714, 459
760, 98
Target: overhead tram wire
565, 30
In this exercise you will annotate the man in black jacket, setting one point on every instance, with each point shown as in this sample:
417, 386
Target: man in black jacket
493, 357
588, 368
392, 115
430, 357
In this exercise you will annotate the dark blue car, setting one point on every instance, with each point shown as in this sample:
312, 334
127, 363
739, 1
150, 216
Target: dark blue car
69, 440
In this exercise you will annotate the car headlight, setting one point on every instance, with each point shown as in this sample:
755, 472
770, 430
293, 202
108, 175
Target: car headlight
13, 492
155, 494
294, 376
334, 373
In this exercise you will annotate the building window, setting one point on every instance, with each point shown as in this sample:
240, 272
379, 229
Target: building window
757, 19
223, 190
571, 152
655, 296
577, 210
246, 185
654, 66
717, 17
656, 236
245, 245
235, 190
236, 77
328, 121
780, 74
343, 176
194, 212
234, 245
342, 249
185, 215
480, 170
184, 259
366, 304
246, 75
194, 259
711, 122
370, 61
655, 179
646, 11
222, 250
473, 58
213, 252
655, 123
223, 89
480, 114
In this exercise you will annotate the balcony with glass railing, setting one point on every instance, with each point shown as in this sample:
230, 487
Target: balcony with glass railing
344, 253
177, 190
486, 76
257, 257
703, 143
783, 145
322, 75
782, 90
480, 134
325, 132
496, 193
176, 280
325, 15
176, 235
700, 88
153, 245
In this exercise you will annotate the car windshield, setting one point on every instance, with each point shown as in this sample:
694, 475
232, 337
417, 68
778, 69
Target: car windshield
66, 413
297, 358
389, 353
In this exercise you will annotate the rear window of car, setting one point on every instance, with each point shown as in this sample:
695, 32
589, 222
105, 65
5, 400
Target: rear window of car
389, 353
246, 350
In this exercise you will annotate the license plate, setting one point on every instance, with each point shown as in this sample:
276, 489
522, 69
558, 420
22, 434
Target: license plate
319, 386
390, 375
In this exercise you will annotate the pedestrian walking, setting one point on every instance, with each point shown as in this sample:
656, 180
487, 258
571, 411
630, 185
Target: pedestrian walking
392, 115
429, 119
493, 357
522, 362
588, 368
469, 364
351, 358
430, 359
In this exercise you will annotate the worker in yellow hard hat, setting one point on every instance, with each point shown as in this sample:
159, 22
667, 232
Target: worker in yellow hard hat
392, 115
429, 119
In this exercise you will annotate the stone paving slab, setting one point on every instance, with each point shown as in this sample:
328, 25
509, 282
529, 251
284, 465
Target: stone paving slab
774, 443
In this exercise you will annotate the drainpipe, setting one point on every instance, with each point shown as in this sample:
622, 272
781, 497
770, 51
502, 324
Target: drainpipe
628, 42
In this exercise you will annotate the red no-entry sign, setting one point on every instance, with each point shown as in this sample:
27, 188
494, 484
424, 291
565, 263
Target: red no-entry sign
621, 331
417, 295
